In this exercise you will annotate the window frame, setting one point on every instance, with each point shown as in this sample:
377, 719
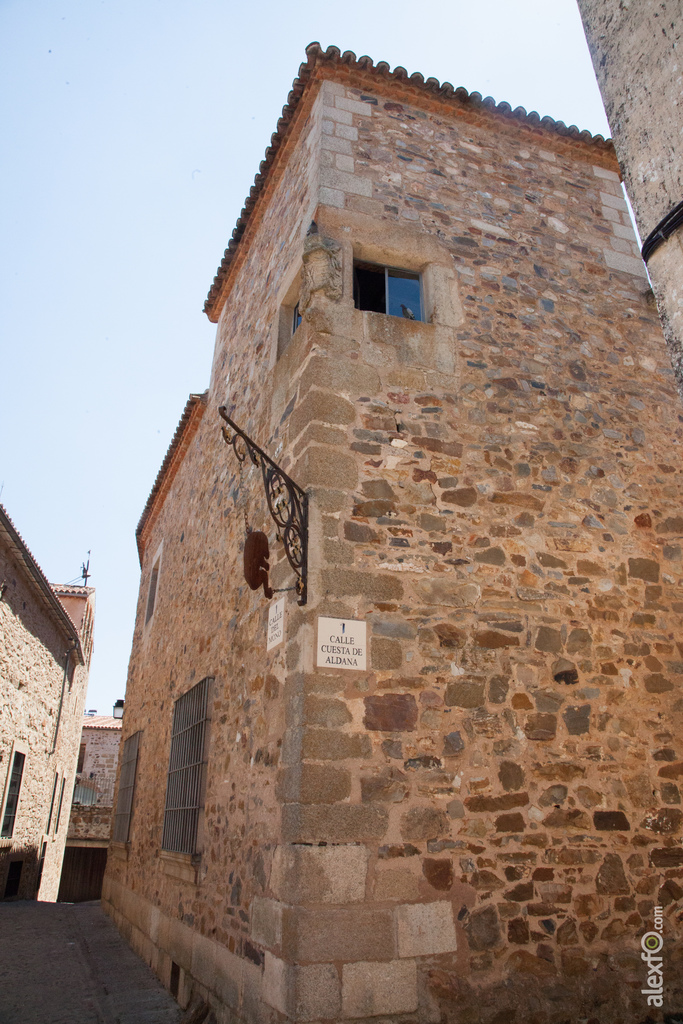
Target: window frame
18, 750
186, 777
59, 805
152, 600
127, 779
387, 267
52, 803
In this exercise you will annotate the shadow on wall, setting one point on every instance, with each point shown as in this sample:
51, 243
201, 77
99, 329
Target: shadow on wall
20, 871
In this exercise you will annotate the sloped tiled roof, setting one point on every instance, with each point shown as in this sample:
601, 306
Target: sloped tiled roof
69, 590
101, 722
319, 61
37, 579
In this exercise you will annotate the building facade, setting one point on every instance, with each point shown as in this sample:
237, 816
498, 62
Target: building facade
447, 786
636, 50
90, 817
44, 661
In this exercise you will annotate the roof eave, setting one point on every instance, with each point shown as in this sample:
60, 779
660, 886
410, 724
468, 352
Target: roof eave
187, 427
317, 58
40, 583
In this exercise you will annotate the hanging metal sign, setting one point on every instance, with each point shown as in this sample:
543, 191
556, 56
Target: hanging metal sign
288, 507
256, 564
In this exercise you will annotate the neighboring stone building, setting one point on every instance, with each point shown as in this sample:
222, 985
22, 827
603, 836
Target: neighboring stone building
475, 824
44, 660
90, 819
636, 50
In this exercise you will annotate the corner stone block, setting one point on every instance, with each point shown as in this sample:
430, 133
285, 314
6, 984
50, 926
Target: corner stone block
318, 466
425, 928
319, 874
327, 934
317, 992
335, 823
276, 983
266, 922
369, 989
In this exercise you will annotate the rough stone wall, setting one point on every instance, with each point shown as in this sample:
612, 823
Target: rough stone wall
101, 760
90, 822
32, 656
479, 826
101, 751
635, 50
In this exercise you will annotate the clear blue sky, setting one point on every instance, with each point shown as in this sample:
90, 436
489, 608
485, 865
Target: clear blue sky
132, 130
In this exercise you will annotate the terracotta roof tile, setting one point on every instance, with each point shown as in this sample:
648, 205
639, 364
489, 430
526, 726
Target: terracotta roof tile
329, 58
101, 722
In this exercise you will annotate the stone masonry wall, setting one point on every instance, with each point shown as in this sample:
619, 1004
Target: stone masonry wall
479, 826
31, 676
101, 750
635, 50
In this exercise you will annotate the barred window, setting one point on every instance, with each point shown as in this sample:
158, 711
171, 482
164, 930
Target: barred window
185, 784
124, 806
12, 802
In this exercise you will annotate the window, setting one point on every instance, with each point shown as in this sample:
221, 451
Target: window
59, 805
185, 784
12, 801
387, 290
152, 593
124, 806
81, 758
296, 318
13, 879
52, 803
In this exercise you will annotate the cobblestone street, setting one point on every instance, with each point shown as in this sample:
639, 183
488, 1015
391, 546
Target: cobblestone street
66, 963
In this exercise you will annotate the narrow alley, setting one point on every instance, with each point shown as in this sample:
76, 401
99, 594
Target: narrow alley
64, 963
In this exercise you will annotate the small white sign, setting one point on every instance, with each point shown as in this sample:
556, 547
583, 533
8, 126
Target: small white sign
276, 623
342, 643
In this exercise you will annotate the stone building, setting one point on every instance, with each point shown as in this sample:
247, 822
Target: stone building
44, 661
447, 786
636, 48
90, 817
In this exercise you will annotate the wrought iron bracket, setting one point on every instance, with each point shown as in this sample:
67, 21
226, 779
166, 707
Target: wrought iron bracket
287, 502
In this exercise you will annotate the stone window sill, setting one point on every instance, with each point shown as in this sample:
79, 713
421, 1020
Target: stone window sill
181, 866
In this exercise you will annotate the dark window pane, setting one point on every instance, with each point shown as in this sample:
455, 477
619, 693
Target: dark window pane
404, 290
369, 288
151, 598
13, 796
13, 878
296, 319
59, 805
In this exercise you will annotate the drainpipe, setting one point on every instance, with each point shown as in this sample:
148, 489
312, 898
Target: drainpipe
61, 699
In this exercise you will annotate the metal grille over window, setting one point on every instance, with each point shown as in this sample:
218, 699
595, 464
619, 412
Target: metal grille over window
184, 789
124, 805
13, 796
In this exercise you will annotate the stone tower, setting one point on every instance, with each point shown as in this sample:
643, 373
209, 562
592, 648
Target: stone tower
460, 363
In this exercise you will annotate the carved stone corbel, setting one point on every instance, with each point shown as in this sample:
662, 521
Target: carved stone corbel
322, 270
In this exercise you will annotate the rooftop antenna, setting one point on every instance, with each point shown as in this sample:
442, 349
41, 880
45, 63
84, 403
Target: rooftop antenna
85, 571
